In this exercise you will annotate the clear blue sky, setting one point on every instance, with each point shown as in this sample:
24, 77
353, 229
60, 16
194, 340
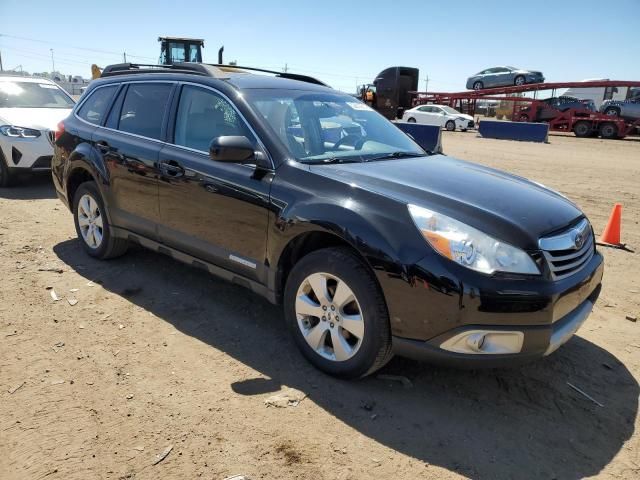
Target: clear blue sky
340, 42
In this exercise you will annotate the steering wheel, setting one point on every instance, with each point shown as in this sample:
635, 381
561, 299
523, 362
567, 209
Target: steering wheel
360, 141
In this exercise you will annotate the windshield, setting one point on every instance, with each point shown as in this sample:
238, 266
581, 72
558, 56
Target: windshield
16, 94
450, 111
319, 127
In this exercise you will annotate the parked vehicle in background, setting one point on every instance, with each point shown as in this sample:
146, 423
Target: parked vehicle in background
503, 77
600, 94
372, 246
627, 109
440, 115
552, 106
30, 109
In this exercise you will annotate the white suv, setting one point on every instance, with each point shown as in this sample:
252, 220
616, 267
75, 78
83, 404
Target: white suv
440, 115
30, 109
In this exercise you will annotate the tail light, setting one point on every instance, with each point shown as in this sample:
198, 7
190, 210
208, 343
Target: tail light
59, 131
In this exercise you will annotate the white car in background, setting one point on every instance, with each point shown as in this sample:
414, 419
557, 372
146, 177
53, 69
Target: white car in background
30, 109
440, 115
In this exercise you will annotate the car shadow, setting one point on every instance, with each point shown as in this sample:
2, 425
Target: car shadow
515, 423
32, 187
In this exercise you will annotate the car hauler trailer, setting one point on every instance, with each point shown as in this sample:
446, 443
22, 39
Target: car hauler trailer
582, 122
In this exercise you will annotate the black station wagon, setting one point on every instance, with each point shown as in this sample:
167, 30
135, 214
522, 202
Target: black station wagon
306, 196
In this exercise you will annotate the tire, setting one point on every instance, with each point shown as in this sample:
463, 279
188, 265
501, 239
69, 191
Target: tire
411, 120
89, 213
450, 126
608, 130
612, 111
332, 270
519, 81
6, 179
582, 129
478, 85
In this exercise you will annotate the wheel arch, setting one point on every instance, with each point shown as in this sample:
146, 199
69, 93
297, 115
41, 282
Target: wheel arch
84, 164
305, 243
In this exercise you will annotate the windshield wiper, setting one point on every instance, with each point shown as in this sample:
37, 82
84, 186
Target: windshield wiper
326, 161
395, 155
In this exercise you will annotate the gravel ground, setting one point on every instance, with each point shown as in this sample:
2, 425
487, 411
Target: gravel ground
156, 354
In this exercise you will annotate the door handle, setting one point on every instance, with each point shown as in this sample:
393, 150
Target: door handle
171, 168
104, 148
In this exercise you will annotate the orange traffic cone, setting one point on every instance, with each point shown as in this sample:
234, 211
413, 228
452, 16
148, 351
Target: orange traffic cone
611, 234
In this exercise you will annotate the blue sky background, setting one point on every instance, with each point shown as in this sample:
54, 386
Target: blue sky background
343, 43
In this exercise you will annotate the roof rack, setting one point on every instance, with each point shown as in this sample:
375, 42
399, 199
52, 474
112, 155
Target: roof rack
290, 76
184, 67
204, 69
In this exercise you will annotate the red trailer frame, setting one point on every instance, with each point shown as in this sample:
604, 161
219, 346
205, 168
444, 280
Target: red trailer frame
584, 123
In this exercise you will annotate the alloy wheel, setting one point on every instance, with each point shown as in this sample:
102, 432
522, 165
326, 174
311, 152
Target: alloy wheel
520, 81
90, 221
329, 317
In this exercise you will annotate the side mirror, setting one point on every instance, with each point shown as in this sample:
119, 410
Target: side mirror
233, 149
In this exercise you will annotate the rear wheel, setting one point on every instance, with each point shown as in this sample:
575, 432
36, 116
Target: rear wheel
411, 120
478, 86
337, 313
582, 129
450, 125
92, 225
608, 130
519, 81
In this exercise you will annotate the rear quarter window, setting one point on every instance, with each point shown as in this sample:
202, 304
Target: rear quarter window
95, 107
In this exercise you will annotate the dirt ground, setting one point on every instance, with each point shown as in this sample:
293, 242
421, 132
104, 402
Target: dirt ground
157, 354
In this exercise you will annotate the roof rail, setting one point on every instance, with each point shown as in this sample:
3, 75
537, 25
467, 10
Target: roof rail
183, 67
206, 69
291, 76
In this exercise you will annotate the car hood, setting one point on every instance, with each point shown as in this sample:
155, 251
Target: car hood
461, 115
38, 118
505, 206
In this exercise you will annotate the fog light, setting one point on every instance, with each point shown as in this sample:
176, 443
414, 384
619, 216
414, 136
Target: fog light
487, 342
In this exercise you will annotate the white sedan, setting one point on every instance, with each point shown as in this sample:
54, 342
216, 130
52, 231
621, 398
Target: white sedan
30, 109
440, 115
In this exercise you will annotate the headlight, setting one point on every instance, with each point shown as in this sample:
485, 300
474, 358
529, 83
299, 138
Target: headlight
19, 132
461, 119
470, 247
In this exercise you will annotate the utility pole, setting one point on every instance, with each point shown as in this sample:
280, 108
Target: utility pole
426, 83
286, 68
1, 61
53, 63
124, 56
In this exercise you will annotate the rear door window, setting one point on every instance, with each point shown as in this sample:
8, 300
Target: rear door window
94, 108
204, 115
143, 109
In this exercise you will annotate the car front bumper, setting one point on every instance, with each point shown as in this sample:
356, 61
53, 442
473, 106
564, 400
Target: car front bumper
27, 154
435, 310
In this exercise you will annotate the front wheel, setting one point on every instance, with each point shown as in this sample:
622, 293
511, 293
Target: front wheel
519, 81
582, 129
612, 111
92, 225
337, 313
450, 125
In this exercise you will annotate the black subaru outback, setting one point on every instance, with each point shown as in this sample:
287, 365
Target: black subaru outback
308, 197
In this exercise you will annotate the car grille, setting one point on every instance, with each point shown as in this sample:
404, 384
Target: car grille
471, 124
51, 136
570, 251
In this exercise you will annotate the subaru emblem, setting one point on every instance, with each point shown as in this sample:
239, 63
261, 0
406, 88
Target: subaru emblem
578, 241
